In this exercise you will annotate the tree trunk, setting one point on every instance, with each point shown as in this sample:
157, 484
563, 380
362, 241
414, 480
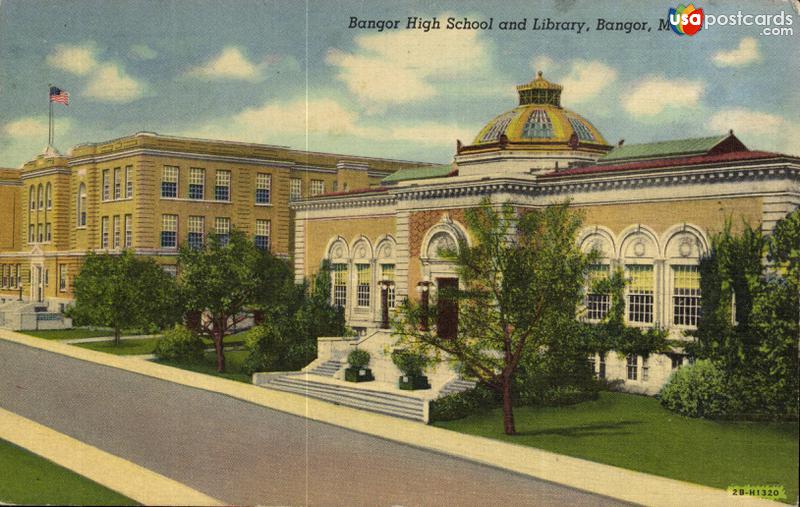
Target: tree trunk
219, 334
508, 409
117, 336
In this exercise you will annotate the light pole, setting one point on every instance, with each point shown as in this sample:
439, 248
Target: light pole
424, 289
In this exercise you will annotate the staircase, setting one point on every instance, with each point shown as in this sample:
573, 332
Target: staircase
327, 369
456, 386
381, 402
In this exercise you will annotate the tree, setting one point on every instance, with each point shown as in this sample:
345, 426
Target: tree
522, 279
221, 279
124, 291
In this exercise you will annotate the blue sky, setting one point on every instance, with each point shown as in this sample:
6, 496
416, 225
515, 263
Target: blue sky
293, 73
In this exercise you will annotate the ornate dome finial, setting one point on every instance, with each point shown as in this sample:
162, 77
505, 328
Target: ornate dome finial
540, 91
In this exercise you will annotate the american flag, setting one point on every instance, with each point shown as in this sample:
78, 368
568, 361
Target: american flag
59, 95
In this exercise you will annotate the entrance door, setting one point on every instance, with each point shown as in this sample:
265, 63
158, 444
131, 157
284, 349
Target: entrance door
447, 307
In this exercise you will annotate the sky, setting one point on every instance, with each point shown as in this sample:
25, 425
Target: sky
293, 73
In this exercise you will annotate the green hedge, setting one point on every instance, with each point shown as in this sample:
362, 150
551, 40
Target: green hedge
180, 344
458, 405
697, 390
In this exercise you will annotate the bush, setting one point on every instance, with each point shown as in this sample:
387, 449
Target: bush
180, 344
273, 348
458, 405
358, 358
552, 380
698, 390
410, 363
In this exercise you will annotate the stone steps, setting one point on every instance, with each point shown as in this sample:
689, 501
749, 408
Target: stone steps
392, 404
457, 386
327, 369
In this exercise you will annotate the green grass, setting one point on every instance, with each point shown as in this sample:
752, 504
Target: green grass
79, 332
28, 479
125, 347
233, 365
635, 432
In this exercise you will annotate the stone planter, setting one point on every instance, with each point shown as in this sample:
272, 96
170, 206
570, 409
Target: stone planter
412, 383
358, 375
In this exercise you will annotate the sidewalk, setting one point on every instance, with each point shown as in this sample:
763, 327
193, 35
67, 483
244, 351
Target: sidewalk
613, 482
97, 339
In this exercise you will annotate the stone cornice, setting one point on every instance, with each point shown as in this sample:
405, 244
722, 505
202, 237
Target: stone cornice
46, 171
95, 159
342, 202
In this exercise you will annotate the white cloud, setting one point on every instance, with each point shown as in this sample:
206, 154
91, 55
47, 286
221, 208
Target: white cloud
405, 66
110, 83
543, 63
75, 59
231, 63
655, 95
23, 138
586, 79
142, 52
745, 54
759, 130
33, 127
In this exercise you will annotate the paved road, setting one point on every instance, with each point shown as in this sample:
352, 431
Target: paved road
246, 454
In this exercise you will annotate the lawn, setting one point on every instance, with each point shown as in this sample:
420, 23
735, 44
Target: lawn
78, 332
233, 364
125, 347
635, 432
30, 480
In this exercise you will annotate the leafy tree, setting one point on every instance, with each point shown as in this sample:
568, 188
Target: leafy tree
221, 279
522, 279
124, 291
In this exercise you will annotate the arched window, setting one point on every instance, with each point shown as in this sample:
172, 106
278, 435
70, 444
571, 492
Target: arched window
48, 196
685, 244
638, 251
81, 206
40, 196
338, 256
600, 240
32, 198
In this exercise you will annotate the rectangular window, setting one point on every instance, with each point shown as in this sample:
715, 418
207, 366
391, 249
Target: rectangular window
222, 228
169, 181
117, 232
197, 183
601, 372
597, 305
339, 273
106, 186
31, 234
633, 369
592, 366
317, 187
262, 234
295, 189
640, 294
263, 188
4, 280
685, 295
128, 231
117, 183
645, 369
19, 276
62, 278
364, 282
128, 181
40, 233
48, 232
197, 228
222, 190
104, 232
169, 231
387, 273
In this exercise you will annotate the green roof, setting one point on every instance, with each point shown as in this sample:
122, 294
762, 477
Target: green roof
685, 147
419, 173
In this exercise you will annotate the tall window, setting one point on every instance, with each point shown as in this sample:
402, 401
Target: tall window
364, 281
222, 190
640, 294
62, 277
81, 205
169, 231
197, 227
262, 234
128, 181
128, 231
4, 280
387, 273
169, 181
31, 233
48, 232
48, 196
685, 295
263, 187
106, 185
317, 187
597, 304
40, 196
339, 273
19, 276
645, 369
295, 189
117, 232
104, 232
32, 197
601, 371
197, 183
222, 228
40, 233
631, 366
117, 183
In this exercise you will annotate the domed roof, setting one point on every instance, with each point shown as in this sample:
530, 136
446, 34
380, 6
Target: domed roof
539, 122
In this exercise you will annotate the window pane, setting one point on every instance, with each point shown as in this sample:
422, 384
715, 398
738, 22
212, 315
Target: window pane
686, 295
640, 293
339, 272
364, 280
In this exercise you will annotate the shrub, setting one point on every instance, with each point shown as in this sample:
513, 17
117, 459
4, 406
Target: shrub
458, 405
698, 390
272, 348
180, 344
410, 363
358, 358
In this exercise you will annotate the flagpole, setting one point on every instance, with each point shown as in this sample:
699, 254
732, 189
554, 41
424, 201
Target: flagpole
50, 117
